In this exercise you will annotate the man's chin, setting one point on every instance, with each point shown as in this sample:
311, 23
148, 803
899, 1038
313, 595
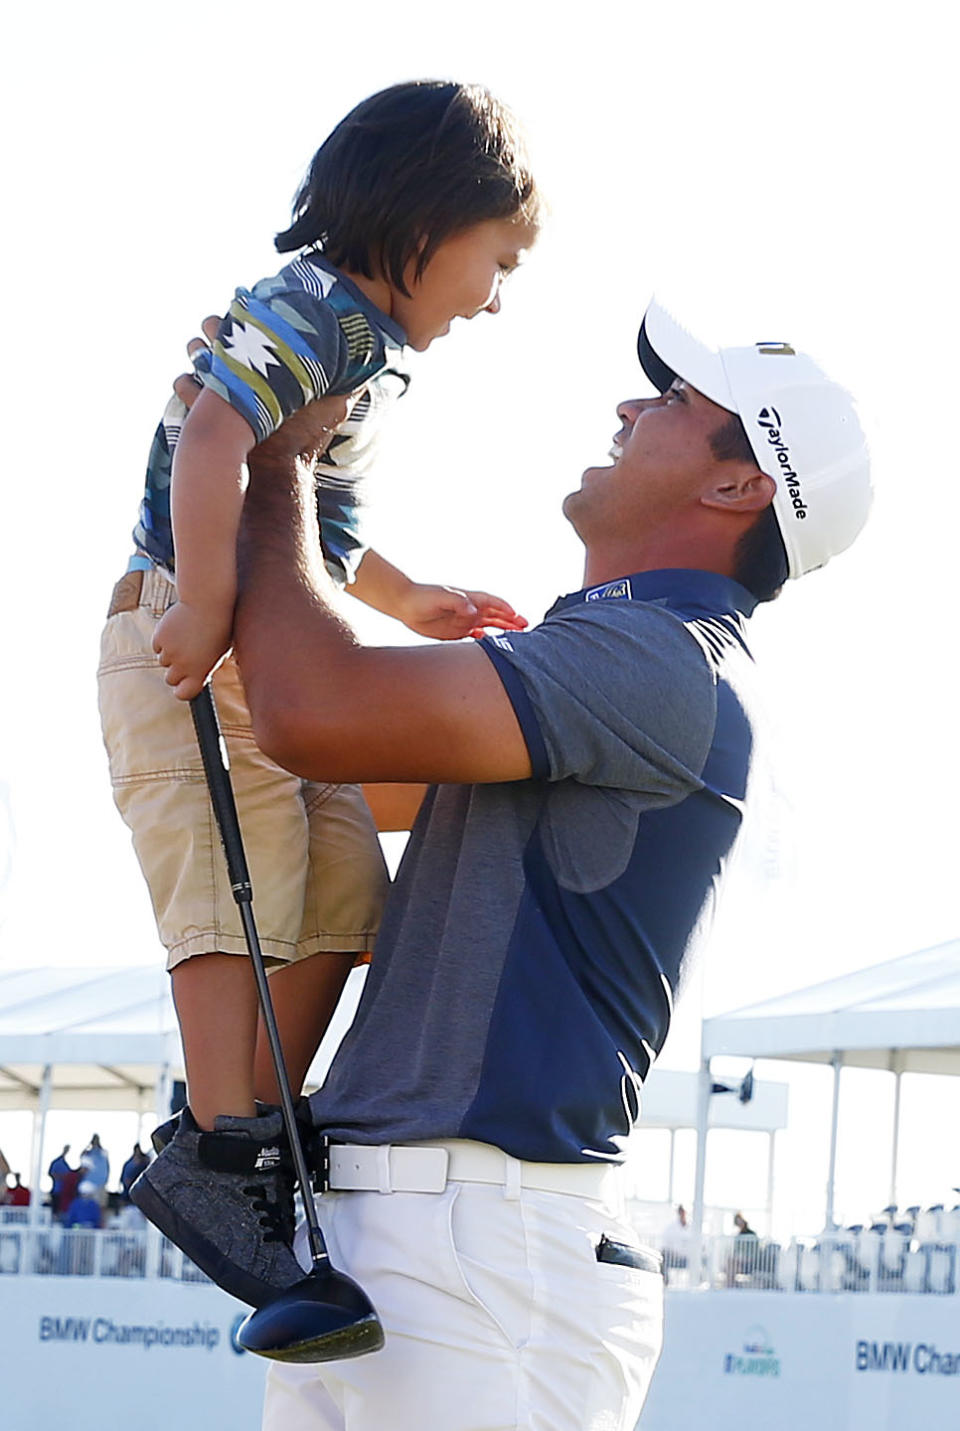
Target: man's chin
590, 478
573, 508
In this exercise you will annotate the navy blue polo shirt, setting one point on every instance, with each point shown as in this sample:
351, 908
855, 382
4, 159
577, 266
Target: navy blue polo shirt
535, 938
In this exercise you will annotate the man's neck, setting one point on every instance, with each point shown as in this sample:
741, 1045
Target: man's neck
612, 560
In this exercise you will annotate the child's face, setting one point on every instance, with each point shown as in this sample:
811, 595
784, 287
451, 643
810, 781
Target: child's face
462, 279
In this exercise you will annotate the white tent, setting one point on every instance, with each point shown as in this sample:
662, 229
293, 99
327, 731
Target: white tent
85, 1038
102, 1038
902, 1016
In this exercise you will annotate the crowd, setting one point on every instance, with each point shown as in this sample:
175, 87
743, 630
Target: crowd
78, 1195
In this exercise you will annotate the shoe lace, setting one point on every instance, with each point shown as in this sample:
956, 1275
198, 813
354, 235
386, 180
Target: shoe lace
274, 1201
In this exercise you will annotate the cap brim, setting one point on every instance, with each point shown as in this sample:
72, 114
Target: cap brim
667, 351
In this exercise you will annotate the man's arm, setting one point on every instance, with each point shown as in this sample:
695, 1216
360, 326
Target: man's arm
327, 708
394, 807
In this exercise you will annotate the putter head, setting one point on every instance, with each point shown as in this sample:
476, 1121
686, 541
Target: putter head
326, 1317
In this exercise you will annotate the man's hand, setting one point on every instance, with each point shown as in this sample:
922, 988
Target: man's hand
446, 614
188, 386
190, 643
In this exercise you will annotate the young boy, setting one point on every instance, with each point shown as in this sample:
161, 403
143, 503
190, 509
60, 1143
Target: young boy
414, 209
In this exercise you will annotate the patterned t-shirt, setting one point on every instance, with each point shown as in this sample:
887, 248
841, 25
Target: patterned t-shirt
294, 337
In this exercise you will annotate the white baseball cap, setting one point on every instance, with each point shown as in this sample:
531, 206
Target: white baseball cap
803, 429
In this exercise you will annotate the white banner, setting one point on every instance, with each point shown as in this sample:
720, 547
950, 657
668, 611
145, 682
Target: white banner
749, 1361
85, 1353
91, 1353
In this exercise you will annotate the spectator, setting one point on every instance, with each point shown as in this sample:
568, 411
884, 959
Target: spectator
743, 1227
18, 1195
68, 1190
131, 1170
742, 1262
56, 1172
84, 1210
96, 1167
676, 1242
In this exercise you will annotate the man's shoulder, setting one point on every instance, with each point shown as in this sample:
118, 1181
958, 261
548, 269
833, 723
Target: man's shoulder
619, 625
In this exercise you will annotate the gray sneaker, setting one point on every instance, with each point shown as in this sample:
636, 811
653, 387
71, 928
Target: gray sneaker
226, 1199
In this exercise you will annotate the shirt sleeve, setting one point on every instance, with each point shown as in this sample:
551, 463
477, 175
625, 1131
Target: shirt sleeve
276, 350
615, 694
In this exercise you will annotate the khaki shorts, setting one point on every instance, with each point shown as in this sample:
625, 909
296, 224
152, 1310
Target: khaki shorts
316, 867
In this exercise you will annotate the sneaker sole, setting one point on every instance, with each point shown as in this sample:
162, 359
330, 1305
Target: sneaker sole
227, 1275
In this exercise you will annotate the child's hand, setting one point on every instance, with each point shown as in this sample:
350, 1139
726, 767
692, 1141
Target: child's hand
190, 641
447, 614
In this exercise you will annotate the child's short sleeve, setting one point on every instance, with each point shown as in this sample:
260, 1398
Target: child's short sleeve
277, 349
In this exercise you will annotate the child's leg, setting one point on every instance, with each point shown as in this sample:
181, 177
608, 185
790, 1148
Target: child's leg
345, 888
304, 995
216, 1001
222, 1187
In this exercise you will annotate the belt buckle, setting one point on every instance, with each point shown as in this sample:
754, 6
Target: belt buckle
320, 1172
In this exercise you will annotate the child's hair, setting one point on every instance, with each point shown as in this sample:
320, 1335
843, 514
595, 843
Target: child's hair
405, 170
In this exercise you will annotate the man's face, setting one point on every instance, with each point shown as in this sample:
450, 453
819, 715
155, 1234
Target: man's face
662, 461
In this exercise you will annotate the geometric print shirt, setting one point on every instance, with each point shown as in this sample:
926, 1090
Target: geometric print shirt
296, 336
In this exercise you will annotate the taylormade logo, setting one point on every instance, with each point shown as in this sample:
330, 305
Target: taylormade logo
769, 419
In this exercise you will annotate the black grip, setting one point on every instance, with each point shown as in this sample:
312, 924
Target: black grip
623, 1255
216, 764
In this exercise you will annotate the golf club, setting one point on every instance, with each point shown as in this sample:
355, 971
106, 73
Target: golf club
327, 1316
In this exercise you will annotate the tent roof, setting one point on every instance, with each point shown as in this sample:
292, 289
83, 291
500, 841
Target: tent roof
105, 1030
902, 1015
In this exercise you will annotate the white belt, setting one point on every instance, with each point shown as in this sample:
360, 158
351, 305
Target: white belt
428, 1167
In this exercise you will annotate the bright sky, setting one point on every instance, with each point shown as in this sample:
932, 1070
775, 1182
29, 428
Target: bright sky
771, 170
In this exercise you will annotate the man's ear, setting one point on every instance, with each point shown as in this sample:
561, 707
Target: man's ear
739, 488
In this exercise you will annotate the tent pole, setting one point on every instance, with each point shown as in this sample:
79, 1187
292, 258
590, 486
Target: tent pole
671, 1168
703, 1118
834, 1122
898, 1073
771, 1154
162, 1093
36, 1144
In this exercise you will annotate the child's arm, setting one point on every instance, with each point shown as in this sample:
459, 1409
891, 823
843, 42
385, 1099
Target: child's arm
206, 499
442, 612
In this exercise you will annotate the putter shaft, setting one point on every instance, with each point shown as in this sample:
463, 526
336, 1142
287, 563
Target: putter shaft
216, 766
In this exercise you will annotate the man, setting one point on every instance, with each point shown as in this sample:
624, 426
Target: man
56, 1172
132, 1169
95, 1164
676, 1242
85, 1208
593, 774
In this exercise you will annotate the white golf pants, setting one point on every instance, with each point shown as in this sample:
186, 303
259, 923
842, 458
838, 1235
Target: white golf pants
498, 1317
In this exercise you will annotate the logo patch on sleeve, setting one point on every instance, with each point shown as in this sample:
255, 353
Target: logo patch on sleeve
612, 591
